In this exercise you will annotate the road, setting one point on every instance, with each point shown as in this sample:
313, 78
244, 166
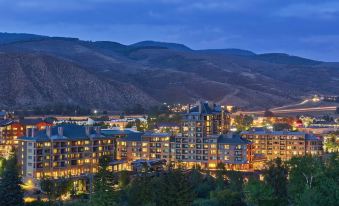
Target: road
300, 110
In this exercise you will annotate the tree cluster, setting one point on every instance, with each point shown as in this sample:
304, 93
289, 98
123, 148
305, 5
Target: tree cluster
11, 193
311, 181
301, 181
243, 122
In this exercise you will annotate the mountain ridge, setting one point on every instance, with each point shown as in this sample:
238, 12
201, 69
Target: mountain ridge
152, 74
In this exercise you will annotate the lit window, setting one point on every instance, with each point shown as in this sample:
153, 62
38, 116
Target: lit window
212, 165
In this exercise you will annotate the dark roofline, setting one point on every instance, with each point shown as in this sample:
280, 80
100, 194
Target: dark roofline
6, 122
70, 132
232, 138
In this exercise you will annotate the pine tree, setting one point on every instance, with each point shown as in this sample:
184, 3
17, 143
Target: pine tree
258, 193
11, 193
276, 177
174, 189
104, 194
142, 191
2, 165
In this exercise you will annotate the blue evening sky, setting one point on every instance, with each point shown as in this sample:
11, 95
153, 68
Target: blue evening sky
308, 28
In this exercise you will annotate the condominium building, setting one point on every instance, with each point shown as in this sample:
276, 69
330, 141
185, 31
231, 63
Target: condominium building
63, 151
145, 146
283, 144
202, 142
37, 123
168, 127
201, 126
10, 130
230, 149
314, 145
235, 152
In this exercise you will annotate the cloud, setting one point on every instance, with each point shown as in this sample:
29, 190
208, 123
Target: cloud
293, 26
43, 6
326, 10
217, 5
321, 39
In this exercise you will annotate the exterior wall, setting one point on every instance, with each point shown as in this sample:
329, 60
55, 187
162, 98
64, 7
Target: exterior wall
62, 158
40, 125
120, 124
8, 138
284, 146
196, 144
10, 133
234, 156
172, 129
193, 142
232, 153
148, 147
158, 147
129, 150
314, 147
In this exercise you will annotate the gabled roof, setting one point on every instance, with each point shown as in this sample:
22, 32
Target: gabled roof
154, 134
206, 108
70, 131
272, 133
309, 137
324, 122
232, 138
135, 137
31, 121
6, 122
108, 132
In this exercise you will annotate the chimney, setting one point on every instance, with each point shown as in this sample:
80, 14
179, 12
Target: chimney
49, 131
60, 131
33, 131
27, 132
200, 106
98, 129
88, 130
211, 105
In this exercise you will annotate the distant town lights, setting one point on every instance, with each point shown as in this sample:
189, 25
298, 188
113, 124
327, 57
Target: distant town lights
316, 98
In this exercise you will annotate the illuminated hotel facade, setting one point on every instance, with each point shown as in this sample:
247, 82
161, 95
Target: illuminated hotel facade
63, 151
11, 130
201, 142
230, 149
144, 146
283, 144
74, 151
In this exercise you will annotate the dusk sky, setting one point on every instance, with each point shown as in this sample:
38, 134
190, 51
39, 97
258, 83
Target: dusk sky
308, 28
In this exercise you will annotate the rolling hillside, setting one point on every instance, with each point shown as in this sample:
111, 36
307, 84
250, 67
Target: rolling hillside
39, 70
